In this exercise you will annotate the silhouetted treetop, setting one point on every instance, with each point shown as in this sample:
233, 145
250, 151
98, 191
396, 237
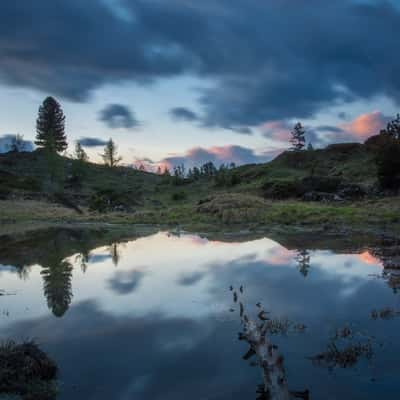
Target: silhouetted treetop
298, 138
50, 126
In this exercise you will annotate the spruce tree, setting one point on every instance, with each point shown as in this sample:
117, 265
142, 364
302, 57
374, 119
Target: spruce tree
50, 126
298, 139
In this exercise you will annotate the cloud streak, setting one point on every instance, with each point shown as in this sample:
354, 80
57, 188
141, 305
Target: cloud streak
183, 114
92, 142
117, 116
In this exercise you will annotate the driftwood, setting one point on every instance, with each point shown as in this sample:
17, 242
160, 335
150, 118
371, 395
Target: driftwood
256, 334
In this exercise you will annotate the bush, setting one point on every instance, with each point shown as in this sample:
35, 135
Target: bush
282, 189
320, 184
227, 178
388, 164
178, 196
106, 200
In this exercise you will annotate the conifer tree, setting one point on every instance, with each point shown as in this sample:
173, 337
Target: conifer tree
110, 155
298, 139
50, 127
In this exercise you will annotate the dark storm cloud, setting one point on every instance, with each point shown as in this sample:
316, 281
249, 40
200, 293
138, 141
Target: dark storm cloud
268, 60
118, 116
125, 282
191, 279
92, 142
183, 114
329, 128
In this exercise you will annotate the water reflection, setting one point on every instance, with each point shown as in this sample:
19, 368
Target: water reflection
114, 254
258, 334
303, 261
161, 326
57, 285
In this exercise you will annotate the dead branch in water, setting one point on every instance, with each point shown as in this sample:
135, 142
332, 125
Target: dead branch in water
256, 334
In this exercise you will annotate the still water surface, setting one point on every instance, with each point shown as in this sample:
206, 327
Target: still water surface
154, 318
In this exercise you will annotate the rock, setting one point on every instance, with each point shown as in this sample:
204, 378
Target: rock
350, 191
321, 196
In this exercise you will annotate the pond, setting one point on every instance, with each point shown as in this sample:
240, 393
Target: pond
158, 316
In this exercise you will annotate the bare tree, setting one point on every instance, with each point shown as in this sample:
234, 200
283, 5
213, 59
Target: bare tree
110, 155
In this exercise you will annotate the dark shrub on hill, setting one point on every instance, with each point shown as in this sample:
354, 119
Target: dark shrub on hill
376, 142
227, 179
320, 184
9, 180
4, 193
281, 190
178, 196
106, 200
388, 163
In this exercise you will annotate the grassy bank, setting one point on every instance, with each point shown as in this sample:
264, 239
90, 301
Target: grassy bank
223, 211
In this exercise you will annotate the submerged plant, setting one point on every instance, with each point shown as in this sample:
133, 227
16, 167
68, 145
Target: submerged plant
384, 313
345, 349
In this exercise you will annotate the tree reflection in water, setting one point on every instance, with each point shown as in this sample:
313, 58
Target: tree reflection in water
57, 285
303, 261
115, 256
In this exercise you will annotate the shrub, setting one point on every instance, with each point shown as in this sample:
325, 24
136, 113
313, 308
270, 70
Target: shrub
178, 196
106, 200
388, 164
280, 189
320, 184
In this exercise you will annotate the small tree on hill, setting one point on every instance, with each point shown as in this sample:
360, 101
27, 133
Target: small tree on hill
50, 127
392, 128
298, 138
17, 143
80, 153
110, 155
79, 166
388, 155
388, 164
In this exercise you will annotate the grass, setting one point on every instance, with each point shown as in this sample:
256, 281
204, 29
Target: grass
156, 200
221, 211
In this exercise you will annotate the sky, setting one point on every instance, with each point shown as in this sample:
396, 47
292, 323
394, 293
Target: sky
182, 81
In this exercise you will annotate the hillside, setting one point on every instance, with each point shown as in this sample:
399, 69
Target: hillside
271, 194
26, 174
350, 162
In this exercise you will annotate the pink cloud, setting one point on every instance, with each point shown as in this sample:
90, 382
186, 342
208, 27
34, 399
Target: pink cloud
365, 125
220, 155
276, 130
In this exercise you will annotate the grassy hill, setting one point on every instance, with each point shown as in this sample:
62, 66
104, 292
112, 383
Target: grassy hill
253, 198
